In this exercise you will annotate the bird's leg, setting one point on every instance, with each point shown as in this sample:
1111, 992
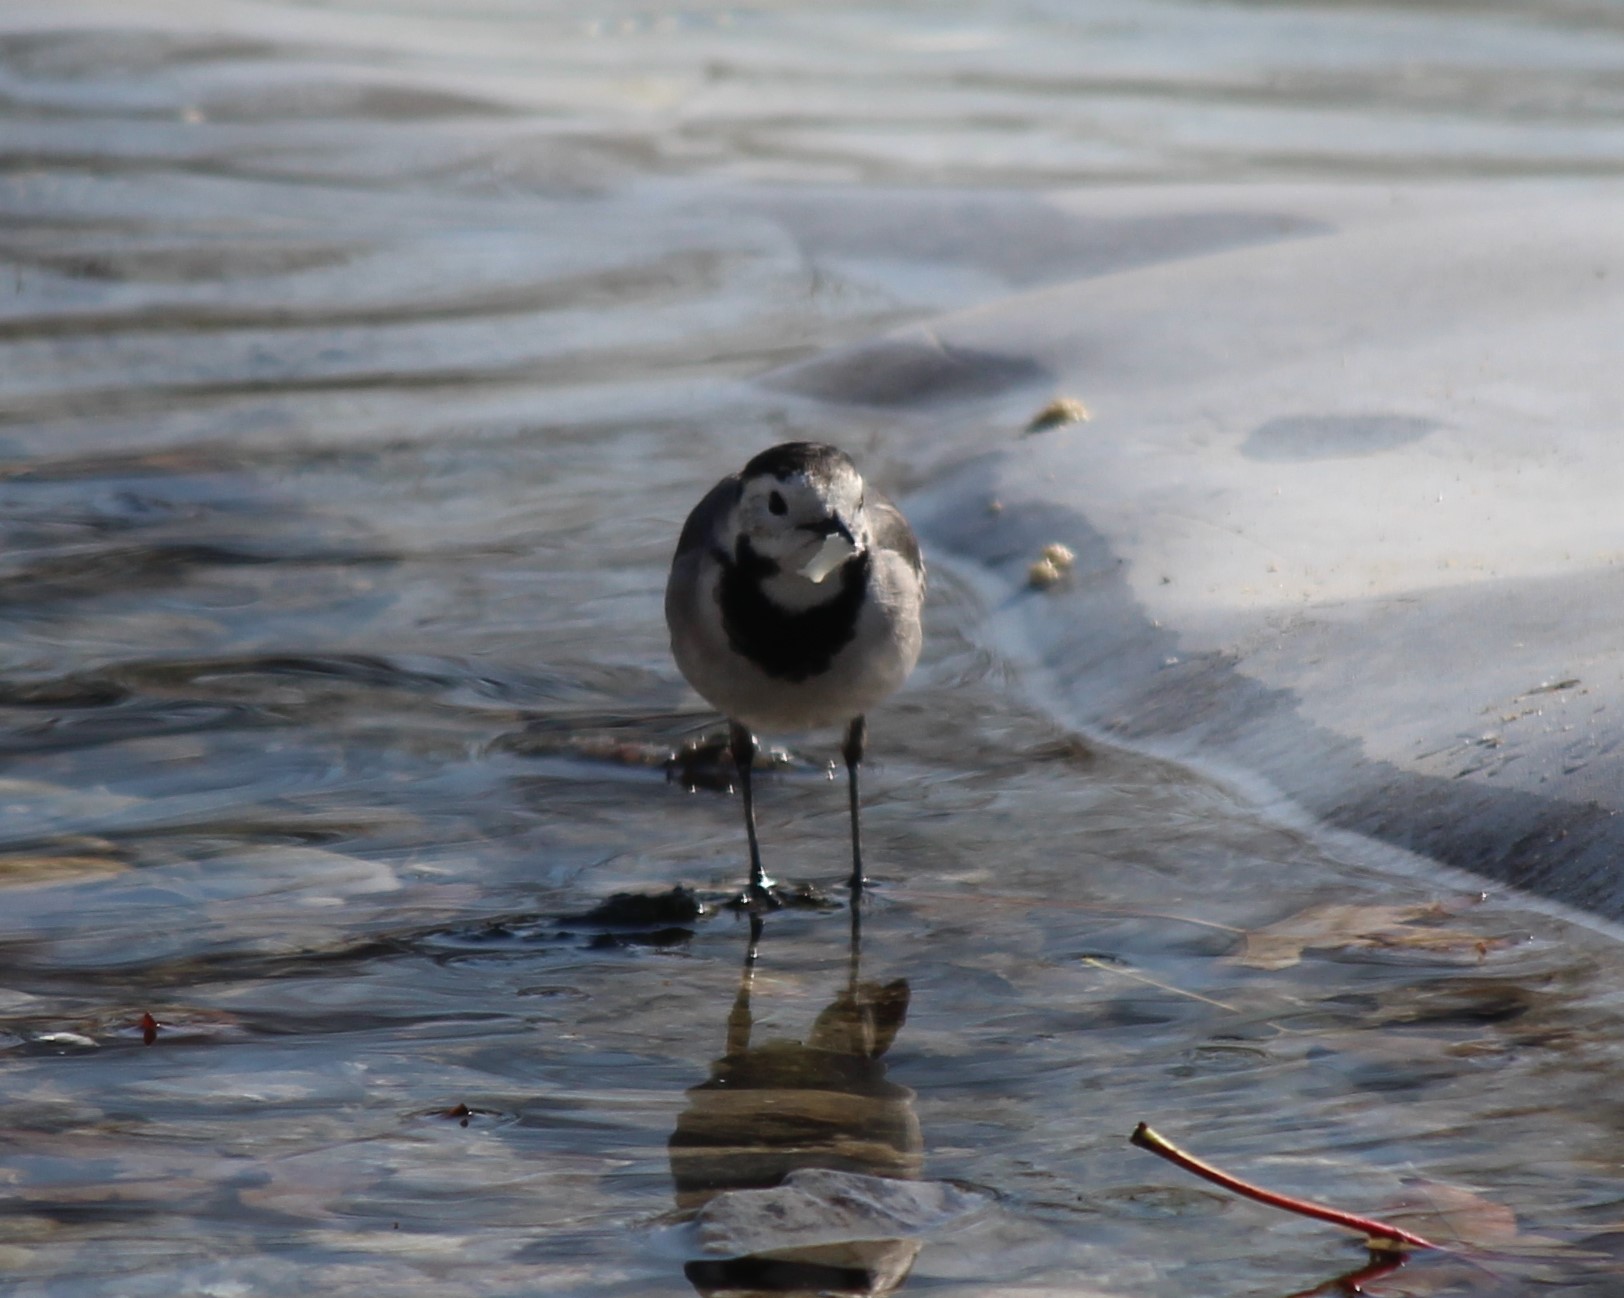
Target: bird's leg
852, 751
744, 755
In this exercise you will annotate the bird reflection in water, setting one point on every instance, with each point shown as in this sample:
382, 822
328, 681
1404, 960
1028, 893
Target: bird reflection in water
773, 1109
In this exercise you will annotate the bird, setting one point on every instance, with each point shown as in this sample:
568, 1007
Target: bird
794, 603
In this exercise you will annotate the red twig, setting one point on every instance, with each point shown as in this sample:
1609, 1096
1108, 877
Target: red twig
1145, 1138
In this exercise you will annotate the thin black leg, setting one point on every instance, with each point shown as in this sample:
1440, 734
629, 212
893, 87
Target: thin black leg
852, 750
744, 756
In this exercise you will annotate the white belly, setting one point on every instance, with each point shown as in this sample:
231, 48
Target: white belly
877, 659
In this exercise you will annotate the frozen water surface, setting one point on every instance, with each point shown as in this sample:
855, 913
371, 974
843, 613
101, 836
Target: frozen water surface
357, 366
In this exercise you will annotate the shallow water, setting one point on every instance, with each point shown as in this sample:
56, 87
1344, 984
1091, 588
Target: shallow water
357, 368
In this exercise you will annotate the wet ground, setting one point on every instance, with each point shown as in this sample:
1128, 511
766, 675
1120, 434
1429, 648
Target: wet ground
357, 370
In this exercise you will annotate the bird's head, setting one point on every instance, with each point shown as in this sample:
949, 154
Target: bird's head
801, 506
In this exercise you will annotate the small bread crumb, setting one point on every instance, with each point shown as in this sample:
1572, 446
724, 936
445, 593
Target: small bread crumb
1057, 414
1043, 574
1059, 555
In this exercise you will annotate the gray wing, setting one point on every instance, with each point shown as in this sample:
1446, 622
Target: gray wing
891, 531
699, 537
707, 516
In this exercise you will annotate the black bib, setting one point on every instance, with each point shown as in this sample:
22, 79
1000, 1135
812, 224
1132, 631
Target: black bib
786, 644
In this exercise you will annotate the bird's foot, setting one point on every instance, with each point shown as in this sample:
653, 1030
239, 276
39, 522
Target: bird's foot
760, 895
758, 899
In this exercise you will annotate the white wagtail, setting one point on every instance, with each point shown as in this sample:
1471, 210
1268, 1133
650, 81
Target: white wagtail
794, 603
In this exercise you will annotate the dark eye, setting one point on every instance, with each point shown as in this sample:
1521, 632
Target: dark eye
775, 502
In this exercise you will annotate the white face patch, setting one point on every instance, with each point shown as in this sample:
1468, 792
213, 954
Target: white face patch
834, 551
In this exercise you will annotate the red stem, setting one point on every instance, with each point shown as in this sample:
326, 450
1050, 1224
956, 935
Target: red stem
1146, 1138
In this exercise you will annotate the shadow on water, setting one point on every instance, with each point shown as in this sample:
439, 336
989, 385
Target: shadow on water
773, 1110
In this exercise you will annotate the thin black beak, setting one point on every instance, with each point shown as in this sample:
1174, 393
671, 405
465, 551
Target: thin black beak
831, 526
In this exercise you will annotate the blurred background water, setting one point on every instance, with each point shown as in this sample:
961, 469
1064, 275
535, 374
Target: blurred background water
358, 363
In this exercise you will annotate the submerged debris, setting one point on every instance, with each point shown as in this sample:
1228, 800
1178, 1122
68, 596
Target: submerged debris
641, 910
1397, 929
617, 740
1553, 687
640, 919
707, 763
788, 896
621, 752
463, 1114
659, 938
